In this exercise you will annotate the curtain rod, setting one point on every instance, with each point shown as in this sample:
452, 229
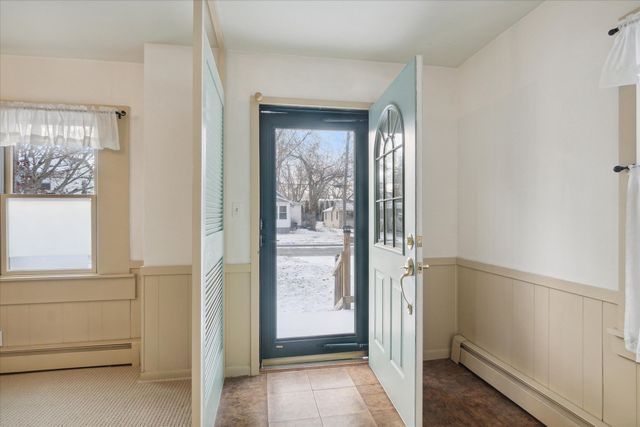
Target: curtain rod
626, 18
620, 168
119, 113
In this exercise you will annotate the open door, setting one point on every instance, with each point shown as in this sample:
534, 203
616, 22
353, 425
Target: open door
207, 366
395, 252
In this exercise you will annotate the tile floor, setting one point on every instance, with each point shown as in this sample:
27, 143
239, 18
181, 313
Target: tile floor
338, 396
351, 396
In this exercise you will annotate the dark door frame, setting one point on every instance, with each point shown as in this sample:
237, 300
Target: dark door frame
272, 117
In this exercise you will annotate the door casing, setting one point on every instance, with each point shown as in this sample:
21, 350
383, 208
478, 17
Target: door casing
310, 118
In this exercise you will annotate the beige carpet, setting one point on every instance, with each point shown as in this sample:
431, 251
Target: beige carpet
110, 396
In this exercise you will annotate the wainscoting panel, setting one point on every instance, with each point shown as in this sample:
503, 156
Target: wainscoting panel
166, 322
237, 339
440, 307
556, 338
77, 326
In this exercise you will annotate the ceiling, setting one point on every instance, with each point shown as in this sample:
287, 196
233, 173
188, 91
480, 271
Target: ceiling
113, 30
445, 32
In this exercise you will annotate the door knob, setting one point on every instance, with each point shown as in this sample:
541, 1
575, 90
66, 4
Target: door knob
409, 269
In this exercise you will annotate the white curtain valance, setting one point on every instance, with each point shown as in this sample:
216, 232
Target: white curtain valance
74, 126
622, 66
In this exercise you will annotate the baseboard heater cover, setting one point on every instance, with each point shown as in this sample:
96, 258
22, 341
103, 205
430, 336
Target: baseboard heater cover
54, 350
72, 356
505, 379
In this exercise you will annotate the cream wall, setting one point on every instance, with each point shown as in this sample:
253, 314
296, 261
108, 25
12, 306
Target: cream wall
537, 141
338, 80
84, 81
168, 154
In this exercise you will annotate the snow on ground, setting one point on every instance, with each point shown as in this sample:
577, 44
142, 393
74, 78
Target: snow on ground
302, 236
305, 283
305, 298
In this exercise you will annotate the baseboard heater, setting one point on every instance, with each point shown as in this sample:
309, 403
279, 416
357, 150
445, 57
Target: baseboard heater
67, 356
545, 405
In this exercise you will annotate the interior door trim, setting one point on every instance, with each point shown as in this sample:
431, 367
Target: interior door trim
255, 101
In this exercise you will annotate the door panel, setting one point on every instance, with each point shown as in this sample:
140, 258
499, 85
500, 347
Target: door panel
395, 213
208, 252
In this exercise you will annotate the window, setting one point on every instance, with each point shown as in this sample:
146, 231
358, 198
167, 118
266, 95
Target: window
50, 208
282, 212
389, 181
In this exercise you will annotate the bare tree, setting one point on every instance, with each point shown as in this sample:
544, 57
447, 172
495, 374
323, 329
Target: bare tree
53, 169
307, 172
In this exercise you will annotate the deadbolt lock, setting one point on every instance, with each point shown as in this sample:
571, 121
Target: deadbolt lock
410, 241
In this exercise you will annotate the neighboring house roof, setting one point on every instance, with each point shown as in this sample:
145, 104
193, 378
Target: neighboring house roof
338, 206
281, 198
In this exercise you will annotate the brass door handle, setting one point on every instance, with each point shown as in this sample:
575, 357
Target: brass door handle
409, 269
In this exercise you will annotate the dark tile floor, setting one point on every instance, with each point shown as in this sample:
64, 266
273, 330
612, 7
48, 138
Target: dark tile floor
455, 396
351, 396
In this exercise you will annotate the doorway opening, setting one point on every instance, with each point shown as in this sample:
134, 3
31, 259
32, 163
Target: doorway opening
313, 231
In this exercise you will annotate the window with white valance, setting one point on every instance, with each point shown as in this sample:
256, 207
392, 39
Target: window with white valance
77, 126
51, 189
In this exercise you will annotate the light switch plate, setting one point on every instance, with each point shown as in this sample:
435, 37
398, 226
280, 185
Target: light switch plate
236, 209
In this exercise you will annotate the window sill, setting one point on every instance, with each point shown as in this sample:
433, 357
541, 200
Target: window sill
57, 277
617, 345
69, 288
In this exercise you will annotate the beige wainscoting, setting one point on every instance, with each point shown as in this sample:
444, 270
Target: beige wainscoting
65, 322
555, 336
238, 316
439, 299
166, 322
166, 303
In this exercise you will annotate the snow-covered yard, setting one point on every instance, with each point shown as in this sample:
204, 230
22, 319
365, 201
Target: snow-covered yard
305, 237
305, 280
305, 298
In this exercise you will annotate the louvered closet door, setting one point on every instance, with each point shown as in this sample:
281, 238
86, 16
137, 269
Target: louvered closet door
208, 236
212, 274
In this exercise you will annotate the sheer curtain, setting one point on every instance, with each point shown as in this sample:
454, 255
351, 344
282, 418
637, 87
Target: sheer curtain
71, 125
621, 68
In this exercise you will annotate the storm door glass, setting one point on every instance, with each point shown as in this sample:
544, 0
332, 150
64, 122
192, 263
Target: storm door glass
314, 174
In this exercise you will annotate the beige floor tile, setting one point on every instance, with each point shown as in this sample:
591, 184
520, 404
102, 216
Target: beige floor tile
375, 400
292, 406
362, 419
362, 374
329, 378
339, 401
310, 422
288, 382
388, 418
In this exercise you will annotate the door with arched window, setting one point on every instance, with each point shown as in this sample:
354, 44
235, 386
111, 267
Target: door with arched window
395, 295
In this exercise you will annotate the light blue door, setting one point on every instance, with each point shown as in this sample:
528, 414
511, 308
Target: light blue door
208, 254
395, 253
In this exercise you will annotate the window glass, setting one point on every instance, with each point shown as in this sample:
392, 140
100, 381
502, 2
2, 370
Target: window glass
282, 214
53, 169
389, 177
45, 234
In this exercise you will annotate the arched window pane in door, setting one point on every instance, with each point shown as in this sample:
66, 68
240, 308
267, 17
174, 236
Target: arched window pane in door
389, 179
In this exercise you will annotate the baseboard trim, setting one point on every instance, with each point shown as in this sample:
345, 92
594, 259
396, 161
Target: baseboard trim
237, 371
43, 359
440, 353
546, 406
180, 374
